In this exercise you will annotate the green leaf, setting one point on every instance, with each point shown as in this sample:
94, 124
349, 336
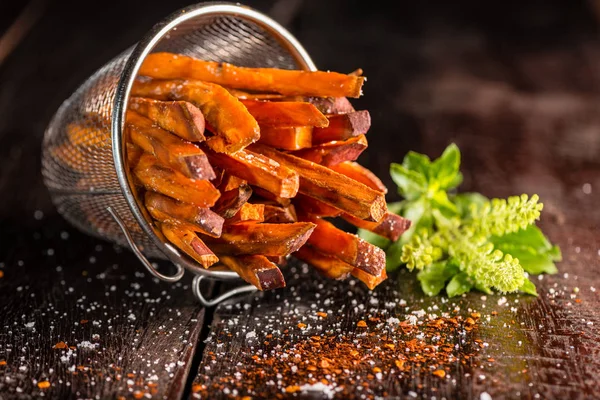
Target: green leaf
440, 201
458, 179
463, 202
417, 162
459, 284
411, 184
397, 206
445, 169
531, 261
433, 278
483, 288
528, 287
373, 238
534, 251
393, 255
417, 212
531, 236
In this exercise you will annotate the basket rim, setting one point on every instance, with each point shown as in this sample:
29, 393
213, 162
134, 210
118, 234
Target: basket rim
127, 78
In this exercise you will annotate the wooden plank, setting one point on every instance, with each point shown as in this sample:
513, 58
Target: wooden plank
85, 320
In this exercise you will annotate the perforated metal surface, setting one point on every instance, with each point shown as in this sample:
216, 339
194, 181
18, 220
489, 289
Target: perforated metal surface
77, 161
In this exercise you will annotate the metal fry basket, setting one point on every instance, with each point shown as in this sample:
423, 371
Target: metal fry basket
83, 158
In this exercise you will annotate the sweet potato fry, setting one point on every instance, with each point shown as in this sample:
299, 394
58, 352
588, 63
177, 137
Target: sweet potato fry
162, 179
287, 137
345, 246
308, 205
134, 154
179, 117
87, 135
279, 214
173, 212
391, 225
73, 157
229, 120
256, 270
288, 82
231, 201
264, 195
331, 187
326, 264
249, 212
230, 182
279, 260
361, 174
285, 113
265, 239
188, 242
258, 170
342, 127
333, 153
242, 95
332, 105
172, 151
372, 281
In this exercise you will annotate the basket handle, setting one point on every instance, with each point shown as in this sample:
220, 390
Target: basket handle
173, 278
209, 303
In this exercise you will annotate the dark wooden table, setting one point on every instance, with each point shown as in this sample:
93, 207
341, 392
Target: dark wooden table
516, 87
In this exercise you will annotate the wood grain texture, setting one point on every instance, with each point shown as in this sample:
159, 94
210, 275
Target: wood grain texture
84, 317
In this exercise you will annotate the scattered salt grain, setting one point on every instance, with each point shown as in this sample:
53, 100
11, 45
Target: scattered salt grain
319, 387
485, 396
86, 345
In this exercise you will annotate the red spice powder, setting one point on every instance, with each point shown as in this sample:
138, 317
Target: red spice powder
336, 363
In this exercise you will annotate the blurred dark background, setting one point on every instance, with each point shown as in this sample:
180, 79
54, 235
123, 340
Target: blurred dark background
437, 72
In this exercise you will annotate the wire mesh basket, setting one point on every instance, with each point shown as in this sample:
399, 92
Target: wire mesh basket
83, 156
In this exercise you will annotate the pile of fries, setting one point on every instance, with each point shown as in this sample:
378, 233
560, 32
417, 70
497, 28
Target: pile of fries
240, 167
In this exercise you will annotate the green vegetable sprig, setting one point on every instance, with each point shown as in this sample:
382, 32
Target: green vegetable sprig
464, 241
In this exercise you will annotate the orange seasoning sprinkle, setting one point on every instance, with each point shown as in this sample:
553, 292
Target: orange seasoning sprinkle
292, 389
1, 274
322, 314
196, 387
344, 359
440, 373
2, 363
44, 384
138, 394
60, 345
